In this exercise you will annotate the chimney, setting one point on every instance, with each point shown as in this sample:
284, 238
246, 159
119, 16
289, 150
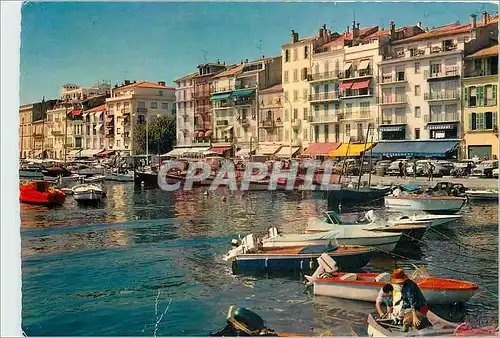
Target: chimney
218, 61
161, 83
246, 60
347, 29
294, 36
473, 21
127, 82
263, 56
485, 17
357, 25
419, 24
355, 31
392, 28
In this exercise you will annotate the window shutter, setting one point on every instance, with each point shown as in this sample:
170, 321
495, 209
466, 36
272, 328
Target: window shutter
494, 118
466, 96
494, 95
471, 121
480, 96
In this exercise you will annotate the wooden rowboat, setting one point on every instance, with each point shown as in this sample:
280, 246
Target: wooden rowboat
440, 327
365, 287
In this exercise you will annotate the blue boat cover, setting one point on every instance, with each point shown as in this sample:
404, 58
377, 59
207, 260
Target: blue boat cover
319, 249
410, 187
428, 148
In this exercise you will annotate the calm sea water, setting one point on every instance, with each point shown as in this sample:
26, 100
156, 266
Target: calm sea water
149, 262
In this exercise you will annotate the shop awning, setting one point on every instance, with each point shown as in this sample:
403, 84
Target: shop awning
361, 84
243, 152
221, 96
321, 149
346, 85
73, 153
441, 126
104, 153
177, 152
428, 148
85, 114
89, 152
285, 151
267, 149
242, 93
391, 128
201, 134
208, 133
350, 150
347, 66
219, 150
228, 128
197, 150
363, 64
98, 126
75, 113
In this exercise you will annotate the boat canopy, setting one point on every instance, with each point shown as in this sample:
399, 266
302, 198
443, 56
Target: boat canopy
321, 149
350, 150
427, 148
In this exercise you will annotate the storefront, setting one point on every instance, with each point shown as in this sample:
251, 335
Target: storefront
393, 132
440, 130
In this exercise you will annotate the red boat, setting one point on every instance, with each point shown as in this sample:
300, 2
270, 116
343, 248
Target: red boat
40, 192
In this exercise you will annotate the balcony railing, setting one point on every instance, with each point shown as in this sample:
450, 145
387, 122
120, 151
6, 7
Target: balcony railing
442, 95
324, 96
393, 99
222, 123
323, 76
356, 74
296, 123
245, 85
355, 115
57, 132
447, 72
269, 123
244, 121
201, 94
393, 119
393, 78
222, 104
481, 73
224, 140
444, 117
142, 110
324, 118
356, 93
222, 90
203, 109
243, 102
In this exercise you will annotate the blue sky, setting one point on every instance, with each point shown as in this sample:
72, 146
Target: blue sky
85, 42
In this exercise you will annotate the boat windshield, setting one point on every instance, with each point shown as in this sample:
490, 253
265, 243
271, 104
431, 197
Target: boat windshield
331, 217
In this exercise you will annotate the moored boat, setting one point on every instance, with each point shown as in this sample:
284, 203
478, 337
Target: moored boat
427, 203
439, 327
120, 177
40, 192
486, 195
436, 220
87, 193
365, 287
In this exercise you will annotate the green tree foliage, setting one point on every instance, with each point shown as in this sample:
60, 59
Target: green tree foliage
161, 135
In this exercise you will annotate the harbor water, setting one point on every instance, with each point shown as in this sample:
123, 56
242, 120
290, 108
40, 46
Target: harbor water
148, 262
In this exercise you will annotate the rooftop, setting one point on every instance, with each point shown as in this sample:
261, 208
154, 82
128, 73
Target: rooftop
100, 108
145, 84
230, 72
489, 51
186, 77
275, 88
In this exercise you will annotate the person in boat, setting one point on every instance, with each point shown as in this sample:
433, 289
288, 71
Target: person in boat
384, 298
414, 306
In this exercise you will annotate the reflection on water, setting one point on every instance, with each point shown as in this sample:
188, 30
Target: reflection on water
99, 270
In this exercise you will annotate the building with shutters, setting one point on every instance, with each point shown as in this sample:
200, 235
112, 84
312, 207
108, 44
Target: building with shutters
480, 101
184, 97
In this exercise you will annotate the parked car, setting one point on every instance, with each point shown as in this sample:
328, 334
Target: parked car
423, 168
380, 167
393, 168
350, 166
460, 168
485, 168
495, 173
447, 166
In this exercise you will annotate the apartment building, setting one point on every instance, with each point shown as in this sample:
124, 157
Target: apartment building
480, 101
203, 123
236, 100
296, 65
420, 83
184, 97
134, 103
94, 139
73, 92
271, 117
25, 134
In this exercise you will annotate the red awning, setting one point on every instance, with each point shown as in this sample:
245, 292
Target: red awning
75, 113
346, 85
321, 149
208, 133
361, 84
219, 150
201, 134
104, 153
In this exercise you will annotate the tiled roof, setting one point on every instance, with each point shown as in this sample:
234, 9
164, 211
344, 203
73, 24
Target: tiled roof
102, 107
448, 30
145, 84
493, 50
275, 88
189, 76
231, 71
377, 34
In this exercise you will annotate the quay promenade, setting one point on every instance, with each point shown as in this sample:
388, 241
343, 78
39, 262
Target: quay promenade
470, 183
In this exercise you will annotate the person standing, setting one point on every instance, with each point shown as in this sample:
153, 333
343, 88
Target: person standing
400, 165
414, 306
431, 171
415, 169
404, 169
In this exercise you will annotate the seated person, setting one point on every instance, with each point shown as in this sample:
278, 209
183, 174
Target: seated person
384, 298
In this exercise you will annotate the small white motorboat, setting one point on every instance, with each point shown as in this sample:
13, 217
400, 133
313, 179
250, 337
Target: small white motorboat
424, 202
489, 195
87, 193
94, 179
435, 220
339, 235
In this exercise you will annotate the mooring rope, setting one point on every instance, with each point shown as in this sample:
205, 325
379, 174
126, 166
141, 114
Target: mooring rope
460, 243
448, 251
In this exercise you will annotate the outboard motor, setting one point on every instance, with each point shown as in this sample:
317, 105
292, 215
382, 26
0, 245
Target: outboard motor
243, 322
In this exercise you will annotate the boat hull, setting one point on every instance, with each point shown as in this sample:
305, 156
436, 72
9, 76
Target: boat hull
482, 195
354, 195
346, 261
427, 204
88, 196
457, 292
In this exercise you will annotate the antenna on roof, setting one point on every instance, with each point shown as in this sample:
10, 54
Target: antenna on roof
204, 55
259, 46
353, 12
